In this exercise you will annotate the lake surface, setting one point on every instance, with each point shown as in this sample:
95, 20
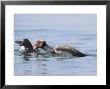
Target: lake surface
30, 65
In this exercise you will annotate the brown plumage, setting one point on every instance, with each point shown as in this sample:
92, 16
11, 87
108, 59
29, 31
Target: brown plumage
42, 44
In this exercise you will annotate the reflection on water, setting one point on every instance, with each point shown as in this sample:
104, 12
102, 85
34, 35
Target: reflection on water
44, 64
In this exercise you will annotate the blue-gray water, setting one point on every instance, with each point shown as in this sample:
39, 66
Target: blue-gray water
83, 40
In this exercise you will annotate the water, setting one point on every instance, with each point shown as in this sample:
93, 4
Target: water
31, 65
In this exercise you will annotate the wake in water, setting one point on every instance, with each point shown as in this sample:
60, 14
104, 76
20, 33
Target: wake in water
42, 54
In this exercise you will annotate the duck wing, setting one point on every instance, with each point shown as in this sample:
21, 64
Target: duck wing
71, 50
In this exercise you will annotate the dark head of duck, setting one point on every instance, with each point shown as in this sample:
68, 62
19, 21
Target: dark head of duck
26, 43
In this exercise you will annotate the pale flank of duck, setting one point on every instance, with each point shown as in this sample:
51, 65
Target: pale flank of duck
22, 48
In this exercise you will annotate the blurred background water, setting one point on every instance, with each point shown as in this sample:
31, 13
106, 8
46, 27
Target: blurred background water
78, 31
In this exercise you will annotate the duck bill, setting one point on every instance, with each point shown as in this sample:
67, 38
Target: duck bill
19, 42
